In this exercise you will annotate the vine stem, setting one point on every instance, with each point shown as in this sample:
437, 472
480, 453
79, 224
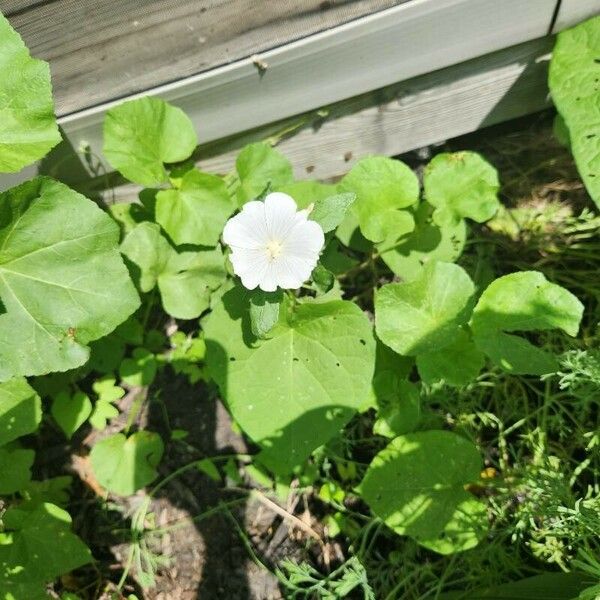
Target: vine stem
194, 464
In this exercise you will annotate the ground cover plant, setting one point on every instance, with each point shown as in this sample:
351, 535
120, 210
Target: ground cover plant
408, 357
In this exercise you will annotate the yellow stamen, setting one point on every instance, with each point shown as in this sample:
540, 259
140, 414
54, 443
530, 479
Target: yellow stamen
274, 249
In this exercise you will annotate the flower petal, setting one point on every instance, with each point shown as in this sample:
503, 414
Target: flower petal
280, 214
248, 228
249, 265
306, 239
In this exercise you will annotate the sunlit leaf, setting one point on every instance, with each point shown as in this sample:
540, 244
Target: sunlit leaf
141, 135
295, 390
416, 485
123, 465
63, 283
28, 127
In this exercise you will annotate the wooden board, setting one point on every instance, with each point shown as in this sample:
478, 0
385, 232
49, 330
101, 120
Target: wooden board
424, 110
349, 60
105, 49
572, 12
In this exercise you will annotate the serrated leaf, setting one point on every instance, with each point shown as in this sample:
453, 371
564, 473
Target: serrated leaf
427, 243
20, 410
41, 546
294, 391
442, 365
141, 135
185, 279
461, 185
424, 315
196, 212
382, 185
123, 465
28, 127
264, 311
416, 485
524, 301
15, 465
63, 283
574, 80
260, 168
71, 412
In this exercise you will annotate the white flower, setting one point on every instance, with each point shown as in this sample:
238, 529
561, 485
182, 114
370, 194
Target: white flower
273, 243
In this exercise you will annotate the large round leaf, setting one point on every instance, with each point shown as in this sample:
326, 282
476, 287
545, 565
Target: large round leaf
461, 185
424, 315
383, 186
196, 212
28, 128
294, 391
573, 79
63, 283
416, 485
427, 243
141, 135
524, 301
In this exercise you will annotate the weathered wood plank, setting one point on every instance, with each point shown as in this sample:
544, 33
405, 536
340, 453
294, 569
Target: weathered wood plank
104, 49
424, 110
367, 54
572, 12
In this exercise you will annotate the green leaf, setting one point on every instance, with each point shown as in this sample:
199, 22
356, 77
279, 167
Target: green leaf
323, 280
196, 212
260, 168
71, 412
330, 212
185, 279
292, 392
103, 412
20, 410
54, 490
63, 283
15, 465
307, 192
461, 185
264, 311
424, 315
416, 485
124, 465
399, 409
140, 369
442, 365
41, 546
28, 127
524, 301
428, 242
573, 79
383, 186
141, 135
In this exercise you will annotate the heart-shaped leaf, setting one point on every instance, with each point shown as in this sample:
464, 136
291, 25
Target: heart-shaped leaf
71, 412
123, 465
295, 390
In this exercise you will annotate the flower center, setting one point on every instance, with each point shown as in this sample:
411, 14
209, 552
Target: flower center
274, 249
